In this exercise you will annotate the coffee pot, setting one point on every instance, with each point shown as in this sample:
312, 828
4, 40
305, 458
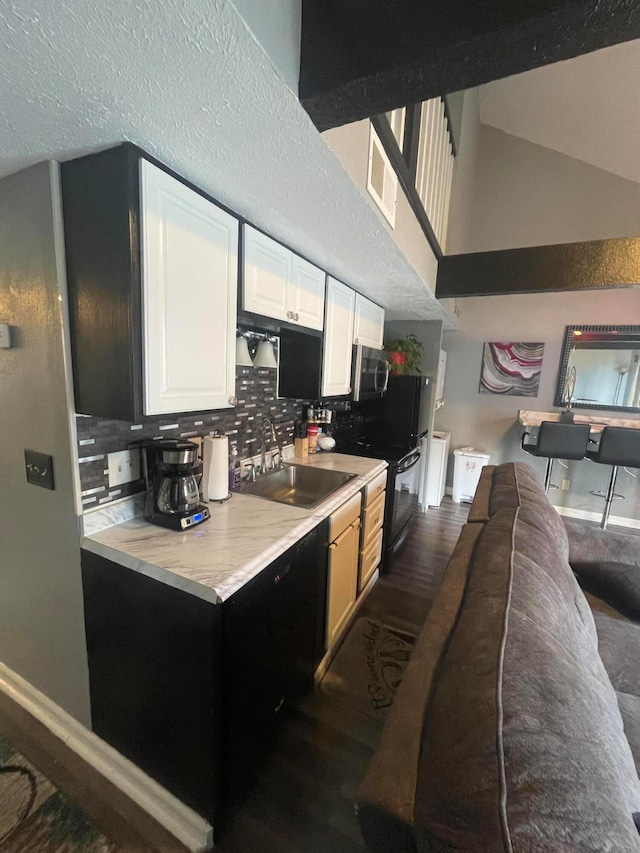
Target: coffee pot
172, 497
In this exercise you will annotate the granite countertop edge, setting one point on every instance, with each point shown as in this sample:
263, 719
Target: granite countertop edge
218, 590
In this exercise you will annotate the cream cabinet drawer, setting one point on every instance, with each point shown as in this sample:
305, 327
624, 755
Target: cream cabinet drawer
373, 518
344, 516
370, 559
374, 488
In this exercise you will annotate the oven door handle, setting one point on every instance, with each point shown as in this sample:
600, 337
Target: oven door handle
411, 461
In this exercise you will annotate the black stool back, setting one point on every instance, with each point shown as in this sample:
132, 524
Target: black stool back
562, 441
558, 441
619, 446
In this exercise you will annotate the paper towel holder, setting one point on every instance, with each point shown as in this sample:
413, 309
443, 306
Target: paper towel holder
216, 433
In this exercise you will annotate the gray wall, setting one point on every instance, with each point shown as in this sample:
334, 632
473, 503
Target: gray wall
510, 193
488, 422
41, 614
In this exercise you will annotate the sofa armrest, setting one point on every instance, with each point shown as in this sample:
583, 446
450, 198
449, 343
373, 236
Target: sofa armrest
479, 511
385, 801
589, 545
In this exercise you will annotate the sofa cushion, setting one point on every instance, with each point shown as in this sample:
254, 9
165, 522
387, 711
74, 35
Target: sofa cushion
523, 746
386, 797
619, 647
588, 545
616, 583
630, 711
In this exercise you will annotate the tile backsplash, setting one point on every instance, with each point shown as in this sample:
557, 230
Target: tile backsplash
256, 389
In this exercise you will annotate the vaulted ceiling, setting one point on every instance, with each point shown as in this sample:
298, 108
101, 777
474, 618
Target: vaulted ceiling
587, 108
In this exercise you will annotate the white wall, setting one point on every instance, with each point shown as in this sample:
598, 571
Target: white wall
41, 611
276, 24
488, 422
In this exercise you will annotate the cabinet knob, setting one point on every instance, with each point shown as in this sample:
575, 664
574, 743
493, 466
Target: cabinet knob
297, 316
233, 401
356, 341
289, 314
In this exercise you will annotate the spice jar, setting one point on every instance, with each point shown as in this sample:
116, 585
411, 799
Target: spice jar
312, 435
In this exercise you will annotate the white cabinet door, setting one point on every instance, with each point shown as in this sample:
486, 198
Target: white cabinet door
342, 580
190, 280
338, 339
306, 302
267, 275
368, 328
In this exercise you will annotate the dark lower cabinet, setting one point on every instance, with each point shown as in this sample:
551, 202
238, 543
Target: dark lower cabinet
190, 691
272, 638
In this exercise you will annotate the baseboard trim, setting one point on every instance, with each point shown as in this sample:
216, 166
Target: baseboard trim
588, 515
72, 748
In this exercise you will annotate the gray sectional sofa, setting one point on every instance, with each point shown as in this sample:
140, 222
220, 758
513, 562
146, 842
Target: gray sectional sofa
518, 719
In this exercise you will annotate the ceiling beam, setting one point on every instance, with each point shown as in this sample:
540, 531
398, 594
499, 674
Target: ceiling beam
363, 57
541, 269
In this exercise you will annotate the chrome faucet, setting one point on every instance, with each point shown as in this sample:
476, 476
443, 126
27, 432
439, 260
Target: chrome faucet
268, 426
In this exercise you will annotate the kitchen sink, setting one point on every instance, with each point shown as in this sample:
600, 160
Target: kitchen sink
297, 485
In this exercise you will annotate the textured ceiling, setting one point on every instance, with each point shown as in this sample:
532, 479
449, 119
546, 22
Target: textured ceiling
588, 108
185, 80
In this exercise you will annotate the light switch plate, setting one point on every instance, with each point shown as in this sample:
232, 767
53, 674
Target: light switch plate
124, 467
39, 468
5, 335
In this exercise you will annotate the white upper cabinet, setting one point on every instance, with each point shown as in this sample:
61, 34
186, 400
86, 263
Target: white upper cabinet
280, 284
190, 275
368, 329
267, 275
338, 339
307, 294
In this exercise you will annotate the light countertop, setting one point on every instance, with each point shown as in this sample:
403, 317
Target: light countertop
243, 536
596, 421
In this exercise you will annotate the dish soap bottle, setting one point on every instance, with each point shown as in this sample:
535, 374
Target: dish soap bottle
234, 468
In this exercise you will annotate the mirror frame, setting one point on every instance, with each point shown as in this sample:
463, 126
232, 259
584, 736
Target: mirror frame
564, 363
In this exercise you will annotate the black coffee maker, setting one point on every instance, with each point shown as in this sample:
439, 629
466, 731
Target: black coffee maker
172, 499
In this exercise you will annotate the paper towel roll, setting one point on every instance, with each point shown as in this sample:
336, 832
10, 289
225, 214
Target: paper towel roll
215, 467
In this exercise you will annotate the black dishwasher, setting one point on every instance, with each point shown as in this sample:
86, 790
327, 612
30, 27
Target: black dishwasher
273, 638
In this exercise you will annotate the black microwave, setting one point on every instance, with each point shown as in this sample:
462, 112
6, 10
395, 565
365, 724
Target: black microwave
370, 373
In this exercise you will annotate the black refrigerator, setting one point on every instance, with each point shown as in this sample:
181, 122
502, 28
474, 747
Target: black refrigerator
392, 427
402, 415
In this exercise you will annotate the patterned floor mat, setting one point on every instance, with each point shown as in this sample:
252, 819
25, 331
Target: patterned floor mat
368, 669
35, 817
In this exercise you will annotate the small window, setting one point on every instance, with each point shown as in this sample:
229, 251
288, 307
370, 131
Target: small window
382, 182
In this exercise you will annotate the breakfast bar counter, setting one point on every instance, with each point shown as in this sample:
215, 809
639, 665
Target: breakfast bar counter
597, 422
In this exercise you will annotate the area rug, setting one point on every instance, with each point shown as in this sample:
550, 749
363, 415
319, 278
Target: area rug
35, 817
369, 666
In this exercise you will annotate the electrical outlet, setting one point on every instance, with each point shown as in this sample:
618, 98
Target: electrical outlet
564, 485
124, 467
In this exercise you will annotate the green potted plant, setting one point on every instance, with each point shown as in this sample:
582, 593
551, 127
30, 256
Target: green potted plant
405, 355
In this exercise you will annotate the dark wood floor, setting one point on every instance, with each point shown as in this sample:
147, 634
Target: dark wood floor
302, 801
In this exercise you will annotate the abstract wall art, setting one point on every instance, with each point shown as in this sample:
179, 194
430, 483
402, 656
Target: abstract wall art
511, 369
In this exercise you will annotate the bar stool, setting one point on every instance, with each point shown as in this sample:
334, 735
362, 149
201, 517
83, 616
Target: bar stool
557, 441
618, 447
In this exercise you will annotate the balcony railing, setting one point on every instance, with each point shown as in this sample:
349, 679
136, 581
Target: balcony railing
419, 144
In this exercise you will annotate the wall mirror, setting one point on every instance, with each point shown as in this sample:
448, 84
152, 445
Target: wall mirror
607, 368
